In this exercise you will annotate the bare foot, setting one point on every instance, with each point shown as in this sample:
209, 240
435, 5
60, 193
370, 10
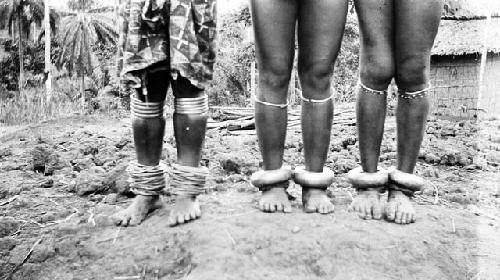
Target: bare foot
185, 209
137, 211
315, 200
275, 199
367, 204
399, 208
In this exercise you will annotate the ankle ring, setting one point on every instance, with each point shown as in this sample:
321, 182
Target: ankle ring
363, 180
319, 180
406, 182
267, 178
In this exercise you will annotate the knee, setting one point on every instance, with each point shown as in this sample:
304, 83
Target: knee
316, 76
377, 73
413, 73
275, 75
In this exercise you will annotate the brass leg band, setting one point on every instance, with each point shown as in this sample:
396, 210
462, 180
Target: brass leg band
146, 110
187, 181
146, 180
197, 105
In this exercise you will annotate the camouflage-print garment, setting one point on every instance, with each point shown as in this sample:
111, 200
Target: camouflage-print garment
179, 31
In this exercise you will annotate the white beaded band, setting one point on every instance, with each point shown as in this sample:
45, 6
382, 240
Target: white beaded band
366, 89
197, 105
263, 178
310, 100
363, 180
313, 179
281, 106
414, 94
146, 180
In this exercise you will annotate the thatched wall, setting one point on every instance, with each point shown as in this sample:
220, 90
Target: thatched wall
456, 86
456, 60
490, 99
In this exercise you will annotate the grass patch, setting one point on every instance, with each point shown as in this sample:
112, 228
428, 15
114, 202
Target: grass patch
31, 106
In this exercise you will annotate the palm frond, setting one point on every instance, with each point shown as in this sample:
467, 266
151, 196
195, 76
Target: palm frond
32, 11
78, 35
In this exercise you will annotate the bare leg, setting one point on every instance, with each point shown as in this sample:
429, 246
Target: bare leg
148, 139
274, 25
376, 72
321, 27
416, 27
189, 132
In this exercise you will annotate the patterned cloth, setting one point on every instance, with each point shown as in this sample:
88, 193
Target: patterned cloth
179, 33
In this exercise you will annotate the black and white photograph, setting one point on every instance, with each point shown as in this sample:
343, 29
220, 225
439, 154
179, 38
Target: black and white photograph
249, 139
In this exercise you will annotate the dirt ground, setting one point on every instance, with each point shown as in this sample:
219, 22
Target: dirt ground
60, 181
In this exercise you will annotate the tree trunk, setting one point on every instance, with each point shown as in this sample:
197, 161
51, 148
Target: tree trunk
21, 58
482, 67
253, 83
292, 97
82, 90
121, 37
48, 63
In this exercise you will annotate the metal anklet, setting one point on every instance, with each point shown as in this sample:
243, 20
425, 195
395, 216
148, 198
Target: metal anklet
146, 180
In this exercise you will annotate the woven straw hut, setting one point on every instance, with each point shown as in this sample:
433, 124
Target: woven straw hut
465, 67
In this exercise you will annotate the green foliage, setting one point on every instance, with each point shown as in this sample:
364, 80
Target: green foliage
346, 67
79, 34
34, 62
234, 57
236, 53
32, 11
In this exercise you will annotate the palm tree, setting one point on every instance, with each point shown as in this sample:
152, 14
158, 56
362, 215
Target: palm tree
79, 34
22, 13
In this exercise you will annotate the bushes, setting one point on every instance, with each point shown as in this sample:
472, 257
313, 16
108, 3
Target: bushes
346, 67
34, 64
235, 55
229, 87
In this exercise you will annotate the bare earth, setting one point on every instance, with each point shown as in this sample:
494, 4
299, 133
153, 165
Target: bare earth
60, 181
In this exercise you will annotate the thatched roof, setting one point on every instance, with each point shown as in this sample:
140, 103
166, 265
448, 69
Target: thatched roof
470, 9
461, 37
